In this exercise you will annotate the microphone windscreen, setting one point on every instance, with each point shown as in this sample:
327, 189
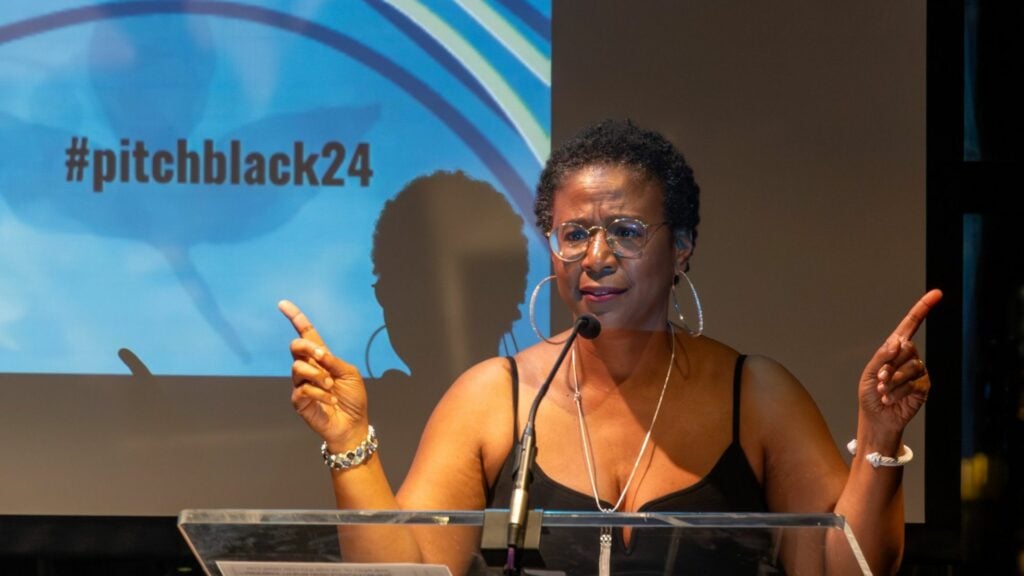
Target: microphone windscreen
590, 327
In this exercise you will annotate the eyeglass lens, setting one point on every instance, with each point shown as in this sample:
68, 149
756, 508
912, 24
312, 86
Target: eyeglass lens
625, 236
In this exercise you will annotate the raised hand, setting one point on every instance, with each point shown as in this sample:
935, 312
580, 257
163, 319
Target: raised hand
895, 383
327, 392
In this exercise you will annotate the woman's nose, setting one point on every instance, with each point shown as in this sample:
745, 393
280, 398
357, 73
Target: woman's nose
599, 257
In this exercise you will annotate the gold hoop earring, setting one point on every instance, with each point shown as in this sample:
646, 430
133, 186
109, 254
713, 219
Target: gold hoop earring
533, 305
696, 301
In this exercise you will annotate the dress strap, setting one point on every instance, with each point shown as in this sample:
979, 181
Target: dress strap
515, 398
737, 378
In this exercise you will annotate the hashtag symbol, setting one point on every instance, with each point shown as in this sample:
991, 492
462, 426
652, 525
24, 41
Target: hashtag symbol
77, 158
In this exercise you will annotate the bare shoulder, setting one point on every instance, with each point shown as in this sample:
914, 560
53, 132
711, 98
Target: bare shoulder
803, 471
769, 392
771, 384
765, 381
477, 403
480, 381
465, 441
776, 402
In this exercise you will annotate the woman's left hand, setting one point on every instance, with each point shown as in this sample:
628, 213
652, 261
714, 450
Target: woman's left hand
895, 383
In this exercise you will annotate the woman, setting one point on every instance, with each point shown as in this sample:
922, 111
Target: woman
734, 433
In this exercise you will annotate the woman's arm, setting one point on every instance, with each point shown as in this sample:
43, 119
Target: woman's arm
328, 393
448, 472
803, 471
462, 449
893, 388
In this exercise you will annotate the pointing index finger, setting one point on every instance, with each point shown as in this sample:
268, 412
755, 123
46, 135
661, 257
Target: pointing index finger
913, 320
300, 322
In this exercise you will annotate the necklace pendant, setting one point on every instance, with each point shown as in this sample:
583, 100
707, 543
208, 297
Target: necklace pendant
604, 559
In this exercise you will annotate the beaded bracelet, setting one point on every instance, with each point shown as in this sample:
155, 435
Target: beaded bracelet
876, 459
352, 458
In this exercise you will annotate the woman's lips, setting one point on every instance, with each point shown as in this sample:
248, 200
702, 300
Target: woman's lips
600, 294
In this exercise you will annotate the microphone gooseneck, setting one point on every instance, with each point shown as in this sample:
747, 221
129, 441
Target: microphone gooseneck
588, 327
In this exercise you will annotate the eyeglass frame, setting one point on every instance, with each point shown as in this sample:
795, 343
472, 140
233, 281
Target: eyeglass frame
610, 240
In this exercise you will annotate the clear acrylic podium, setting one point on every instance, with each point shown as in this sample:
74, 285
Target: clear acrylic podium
793, 544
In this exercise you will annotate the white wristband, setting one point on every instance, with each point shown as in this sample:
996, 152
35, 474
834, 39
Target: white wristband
876, 459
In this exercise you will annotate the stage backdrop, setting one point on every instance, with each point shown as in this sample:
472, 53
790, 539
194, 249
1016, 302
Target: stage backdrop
804, 123
169, 170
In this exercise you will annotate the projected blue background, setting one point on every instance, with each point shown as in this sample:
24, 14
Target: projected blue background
99, 258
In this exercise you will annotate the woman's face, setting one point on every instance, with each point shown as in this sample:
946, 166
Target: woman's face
629, 293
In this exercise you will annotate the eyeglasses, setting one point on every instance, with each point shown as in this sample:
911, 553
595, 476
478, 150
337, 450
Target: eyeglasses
625, 236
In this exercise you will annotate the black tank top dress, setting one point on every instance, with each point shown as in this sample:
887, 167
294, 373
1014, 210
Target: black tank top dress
730, 486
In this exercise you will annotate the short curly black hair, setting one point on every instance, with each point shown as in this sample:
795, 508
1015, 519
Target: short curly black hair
622, 143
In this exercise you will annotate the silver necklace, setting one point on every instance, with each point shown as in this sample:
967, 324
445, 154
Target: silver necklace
604, 559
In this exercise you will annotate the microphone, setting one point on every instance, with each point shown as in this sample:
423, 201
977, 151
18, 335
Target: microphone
588, 327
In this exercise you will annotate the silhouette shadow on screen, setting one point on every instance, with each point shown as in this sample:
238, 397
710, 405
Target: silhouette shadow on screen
451, 261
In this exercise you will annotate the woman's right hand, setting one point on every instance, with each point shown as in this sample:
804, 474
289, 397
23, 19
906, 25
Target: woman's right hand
327, 392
